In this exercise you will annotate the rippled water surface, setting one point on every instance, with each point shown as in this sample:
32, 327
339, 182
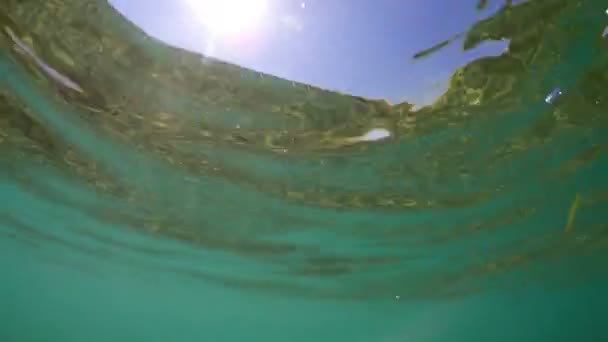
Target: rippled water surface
149, 193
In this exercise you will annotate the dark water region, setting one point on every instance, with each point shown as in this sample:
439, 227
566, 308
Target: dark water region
149, 192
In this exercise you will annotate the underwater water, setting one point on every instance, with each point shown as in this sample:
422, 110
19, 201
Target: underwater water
149, 193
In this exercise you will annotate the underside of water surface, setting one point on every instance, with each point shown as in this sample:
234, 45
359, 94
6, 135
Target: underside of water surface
151, 193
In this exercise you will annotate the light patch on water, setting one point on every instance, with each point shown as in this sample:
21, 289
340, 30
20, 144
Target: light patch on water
375, 134
553, 95
54, 74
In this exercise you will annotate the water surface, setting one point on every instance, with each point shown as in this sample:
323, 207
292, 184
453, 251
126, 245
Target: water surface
153, 193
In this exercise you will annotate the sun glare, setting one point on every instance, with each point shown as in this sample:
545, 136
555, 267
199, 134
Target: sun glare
229, 17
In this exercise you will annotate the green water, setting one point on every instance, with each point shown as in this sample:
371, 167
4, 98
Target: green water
159, 195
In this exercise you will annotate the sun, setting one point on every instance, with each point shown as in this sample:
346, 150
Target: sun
229, 17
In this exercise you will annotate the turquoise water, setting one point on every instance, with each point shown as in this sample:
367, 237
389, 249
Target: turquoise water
181, 227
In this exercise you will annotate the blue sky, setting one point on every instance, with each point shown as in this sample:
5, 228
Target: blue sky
362, 47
